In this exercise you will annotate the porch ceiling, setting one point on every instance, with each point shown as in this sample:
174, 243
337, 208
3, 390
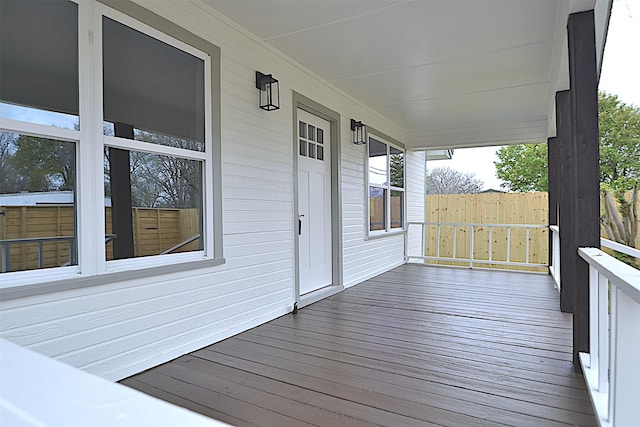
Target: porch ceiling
450, 73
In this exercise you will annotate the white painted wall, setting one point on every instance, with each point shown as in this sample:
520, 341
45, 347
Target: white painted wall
121, 328
416, 198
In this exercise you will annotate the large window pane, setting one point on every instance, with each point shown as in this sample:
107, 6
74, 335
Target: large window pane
377, 162
396, 167
386, 186
39, 62
377, 208
397, 209
166, 205
37, 202
153, 87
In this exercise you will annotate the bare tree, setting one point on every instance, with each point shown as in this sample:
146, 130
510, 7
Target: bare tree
10, 180
445, 180
621, 219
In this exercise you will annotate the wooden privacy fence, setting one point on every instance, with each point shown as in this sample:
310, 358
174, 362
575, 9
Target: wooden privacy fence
377, 210
497, 243
154, 230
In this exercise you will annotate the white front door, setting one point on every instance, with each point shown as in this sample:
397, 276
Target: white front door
314, 202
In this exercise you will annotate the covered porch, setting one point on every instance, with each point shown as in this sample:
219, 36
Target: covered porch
413, 346
395, 344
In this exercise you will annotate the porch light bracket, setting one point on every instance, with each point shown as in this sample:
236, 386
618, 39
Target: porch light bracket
359, 131
269, 96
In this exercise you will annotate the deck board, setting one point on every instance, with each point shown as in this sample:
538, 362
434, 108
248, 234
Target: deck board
415, 346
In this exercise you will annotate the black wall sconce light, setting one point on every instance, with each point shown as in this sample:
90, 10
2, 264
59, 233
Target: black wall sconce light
269, 91
359, 130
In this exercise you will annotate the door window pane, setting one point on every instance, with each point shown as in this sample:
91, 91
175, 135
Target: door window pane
37, 203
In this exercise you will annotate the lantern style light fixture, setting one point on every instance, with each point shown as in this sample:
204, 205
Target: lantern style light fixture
269, 91
359, 130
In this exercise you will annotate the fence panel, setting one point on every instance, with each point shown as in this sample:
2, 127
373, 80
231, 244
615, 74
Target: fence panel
489, 208
154, 230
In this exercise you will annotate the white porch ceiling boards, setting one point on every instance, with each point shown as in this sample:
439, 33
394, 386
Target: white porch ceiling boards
452, 73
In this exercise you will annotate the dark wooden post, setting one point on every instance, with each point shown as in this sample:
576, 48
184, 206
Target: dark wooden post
553, 158
121, 220
566, 202
583, 77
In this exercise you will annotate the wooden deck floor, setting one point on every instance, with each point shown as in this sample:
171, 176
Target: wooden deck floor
414, 346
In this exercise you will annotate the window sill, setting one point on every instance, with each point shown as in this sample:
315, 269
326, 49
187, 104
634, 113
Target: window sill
67, 281
382, 234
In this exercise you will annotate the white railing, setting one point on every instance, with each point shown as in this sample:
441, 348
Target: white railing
554, 268
470, 260
612, 366
619, 247
40, 391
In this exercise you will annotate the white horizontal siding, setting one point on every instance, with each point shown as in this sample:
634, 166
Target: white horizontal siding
363, 258
416, 198
121, 328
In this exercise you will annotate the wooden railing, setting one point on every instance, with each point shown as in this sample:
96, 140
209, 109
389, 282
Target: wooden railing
5, 249
469, 256
612, 366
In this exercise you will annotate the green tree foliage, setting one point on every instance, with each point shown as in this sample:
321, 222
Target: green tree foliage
619, 143
30, 163
397, 169
523, 167
10, 180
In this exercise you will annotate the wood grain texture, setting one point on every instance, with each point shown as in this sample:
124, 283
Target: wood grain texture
414, 346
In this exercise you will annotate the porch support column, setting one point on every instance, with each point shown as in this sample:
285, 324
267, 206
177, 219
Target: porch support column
121, 220
583, 75
553, 159
566, 202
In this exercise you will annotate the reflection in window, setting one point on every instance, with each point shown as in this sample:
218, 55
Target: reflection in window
37, 205
153, 86
377, 162
377, 208
386, 186
397, 209
396, 167
166, 205
39, 62
154, 93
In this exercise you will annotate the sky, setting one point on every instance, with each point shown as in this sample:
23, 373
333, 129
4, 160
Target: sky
620, 75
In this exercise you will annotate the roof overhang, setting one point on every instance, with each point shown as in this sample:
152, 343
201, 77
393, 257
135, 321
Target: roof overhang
450, 73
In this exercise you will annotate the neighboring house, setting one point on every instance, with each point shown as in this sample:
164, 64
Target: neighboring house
491, 190
41, 198
280, 199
